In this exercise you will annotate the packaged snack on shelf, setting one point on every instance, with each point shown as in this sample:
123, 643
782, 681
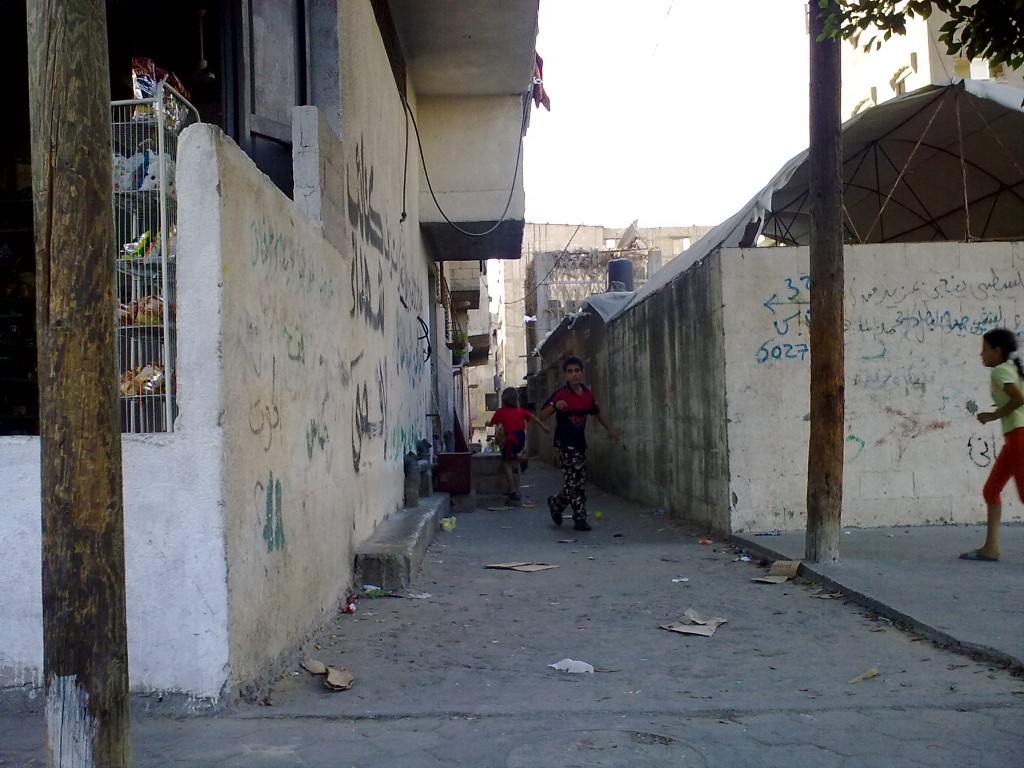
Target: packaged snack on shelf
150, 311
146, 77
137, 249
154, 383
126, 313
126, 170
149, 380
172, 241
151, 175
127, 383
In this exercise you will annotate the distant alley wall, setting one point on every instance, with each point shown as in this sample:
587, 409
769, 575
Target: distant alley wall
659, 373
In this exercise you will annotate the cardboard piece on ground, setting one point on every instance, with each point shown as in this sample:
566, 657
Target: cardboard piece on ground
525, 567
314, 667
780, 571
339, 679
693, 623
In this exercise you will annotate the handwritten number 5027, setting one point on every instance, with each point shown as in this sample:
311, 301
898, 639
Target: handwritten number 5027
768, 351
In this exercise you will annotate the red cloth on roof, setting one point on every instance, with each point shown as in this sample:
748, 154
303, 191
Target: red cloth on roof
539, 96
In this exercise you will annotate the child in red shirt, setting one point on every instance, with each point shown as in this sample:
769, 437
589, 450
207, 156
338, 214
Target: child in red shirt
512, 420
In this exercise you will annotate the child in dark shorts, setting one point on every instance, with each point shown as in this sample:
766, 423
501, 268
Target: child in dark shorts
512, 420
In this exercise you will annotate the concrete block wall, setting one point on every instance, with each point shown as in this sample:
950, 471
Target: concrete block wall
659, 374
463, 275
667, 394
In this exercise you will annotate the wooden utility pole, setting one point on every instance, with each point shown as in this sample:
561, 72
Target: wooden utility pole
825, 454
85, 651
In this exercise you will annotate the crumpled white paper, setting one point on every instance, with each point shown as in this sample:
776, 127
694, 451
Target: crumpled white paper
571, 665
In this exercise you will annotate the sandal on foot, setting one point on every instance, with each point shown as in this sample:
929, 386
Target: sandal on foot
976, 555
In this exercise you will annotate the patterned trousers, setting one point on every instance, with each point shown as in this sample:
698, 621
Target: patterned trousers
573, 462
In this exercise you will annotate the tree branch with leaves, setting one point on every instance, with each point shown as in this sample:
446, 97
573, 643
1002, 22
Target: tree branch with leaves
976, 29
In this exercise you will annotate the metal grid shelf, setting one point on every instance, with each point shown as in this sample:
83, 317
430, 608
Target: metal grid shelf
144, 143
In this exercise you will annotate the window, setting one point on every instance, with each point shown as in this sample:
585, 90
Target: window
898, 82
274, 81
979, 69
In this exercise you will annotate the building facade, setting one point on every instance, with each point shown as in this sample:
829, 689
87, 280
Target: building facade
563, 265
907, 62
317, 297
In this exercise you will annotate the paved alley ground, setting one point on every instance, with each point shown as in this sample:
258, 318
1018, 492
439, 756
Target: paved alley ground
461, 678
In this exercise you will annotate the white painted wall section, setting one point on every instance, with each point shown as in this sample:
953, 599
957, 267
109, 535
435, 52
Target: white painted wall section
915, 315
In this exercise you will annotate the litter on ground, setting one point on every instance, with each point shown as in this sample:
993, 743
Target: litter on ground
780, 571
336, 678
571, 665
525, 566
693, 623
339, 679
873, 672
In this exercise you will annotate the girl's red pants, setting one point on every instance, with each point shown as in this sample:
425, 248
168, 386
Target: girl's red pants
1009, 463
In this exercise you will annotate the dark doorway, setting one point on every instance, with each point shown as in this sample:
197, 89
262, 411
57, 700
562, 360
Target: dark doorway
179, 36
19, 392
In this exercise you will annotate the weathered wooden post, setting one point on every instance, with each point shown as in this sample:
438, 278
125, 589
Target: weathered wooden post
825, 449
85, 654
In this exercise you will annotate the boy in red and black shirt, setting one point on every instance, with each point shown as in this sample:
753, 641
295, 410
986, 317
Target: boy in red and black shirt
512, 420
572, 403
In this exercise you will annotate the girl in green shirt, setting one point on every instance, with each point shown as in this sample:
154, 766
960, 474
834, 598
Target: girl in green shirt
999, 352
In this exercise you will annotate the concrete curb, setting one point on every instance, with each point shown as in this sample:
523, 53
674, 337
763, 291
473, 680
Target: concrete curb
390, 557
917, 626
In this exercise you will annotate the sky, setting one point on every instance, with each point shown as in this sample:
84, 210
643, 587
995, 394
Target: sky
672, 112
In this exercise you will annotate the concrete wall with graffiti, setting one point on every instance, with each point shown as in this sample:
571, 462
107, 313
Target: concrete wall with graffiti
307, 362
324, 391
914, 314
326, 382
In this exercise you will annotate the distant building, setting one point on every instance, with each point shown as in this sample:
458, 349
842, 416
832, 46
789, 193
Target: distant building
907, 62
561, 265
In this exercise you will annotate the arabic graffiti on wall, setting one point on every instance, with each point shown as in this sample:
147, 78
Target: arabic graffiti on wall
880, 316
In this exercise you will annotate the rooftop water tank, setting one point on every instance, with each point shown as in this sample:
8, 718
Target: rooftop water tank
620, 275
